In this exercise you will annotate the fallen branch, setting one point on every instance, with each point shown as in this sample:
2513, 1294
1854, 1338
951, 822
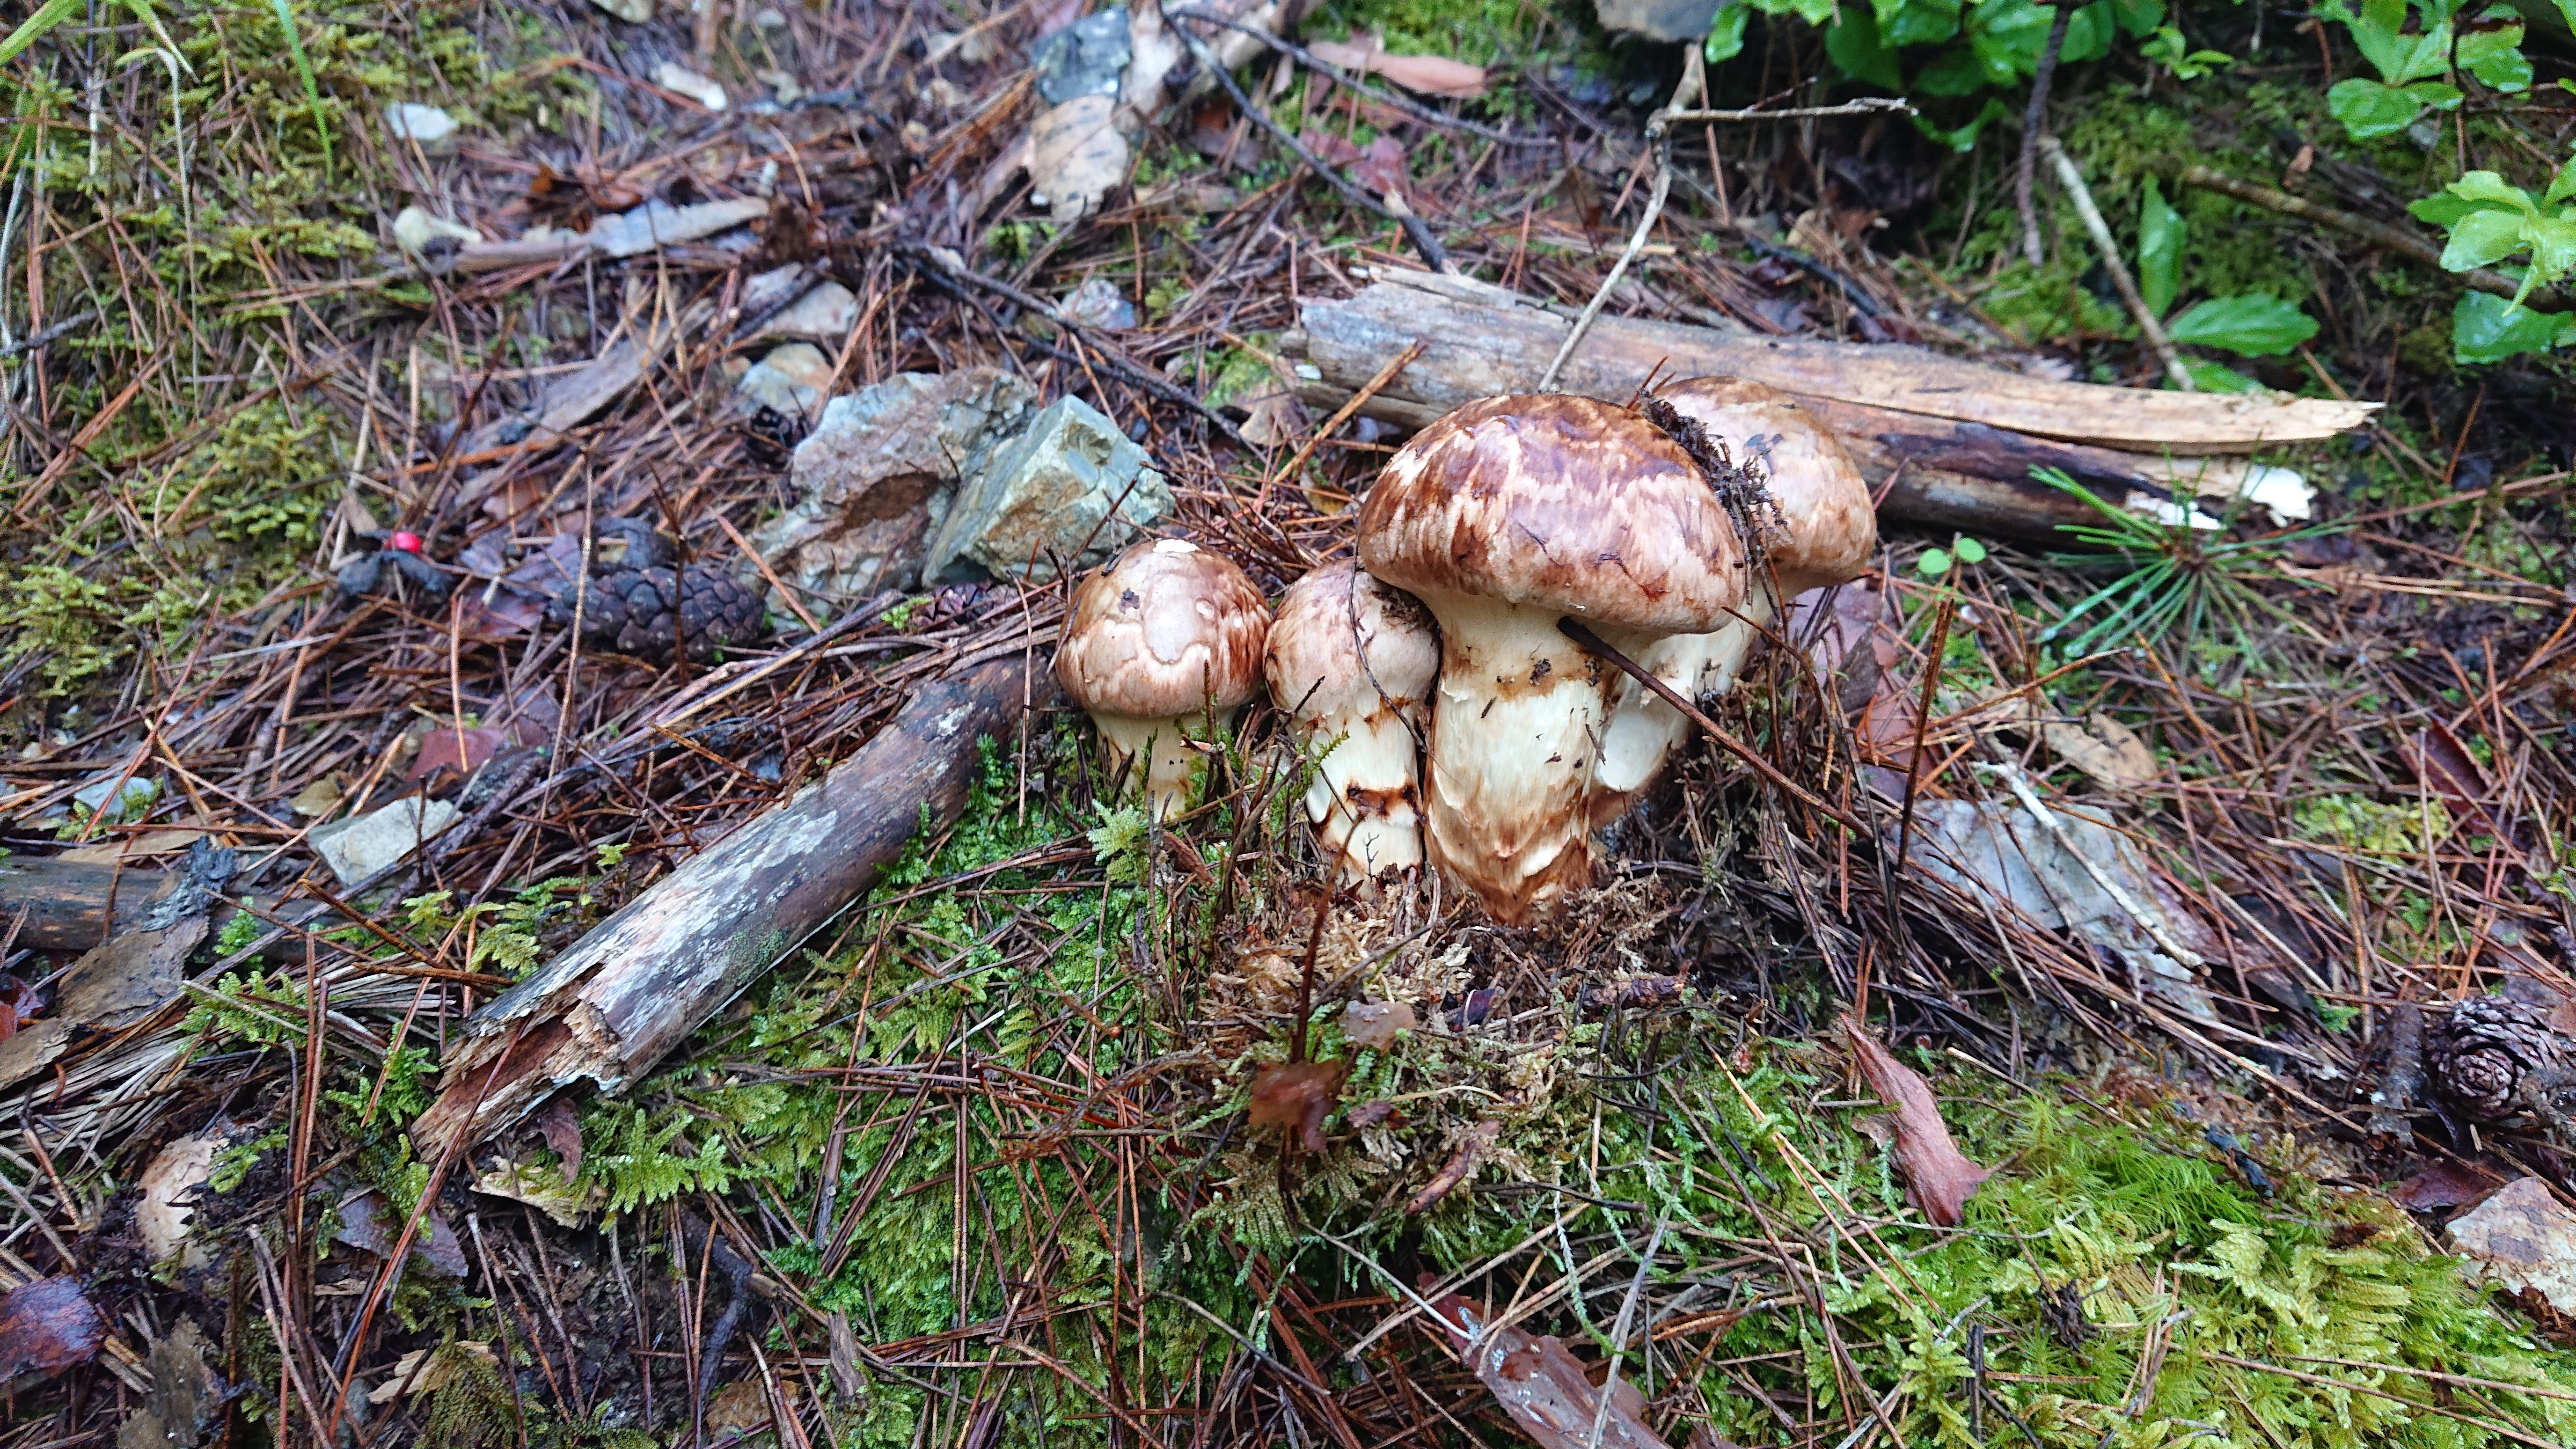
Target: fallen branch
610, 1007
1947, 443
2034, 121
2396, 239
2109, 248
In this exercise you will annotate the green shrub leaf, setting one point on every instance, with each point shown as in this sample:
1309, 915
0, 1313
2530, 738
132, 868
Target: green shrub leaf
2257, 324
2160, 237
2487, 328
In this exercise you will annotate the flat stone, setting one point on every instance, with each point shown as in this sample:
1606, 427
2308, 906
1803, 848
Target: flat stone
359, 848
1098, 303
824, 311
428, 127
2522, 1238
790, 381
132, 797
874, 479
684, 81
1660, 19
1085, 58
1044, 496
633, 12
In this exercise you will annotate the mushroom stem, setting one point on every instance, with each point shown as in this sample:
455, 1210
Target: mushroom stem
1362, 797
1163, 754
1643, 730
1513, 731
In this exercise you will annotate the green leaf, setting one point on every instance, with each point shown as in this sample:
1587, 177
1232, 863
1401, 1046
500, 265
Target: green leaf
1963, 138
1954, 72
2256, 324
2495, 58
2553, 247
2160, 238
2482, 238
1853, 42
1726, 34
2563, 185
1933, 563
2444, 210
2487, 328
2218, 377
2369, 109
2138, 17
2436, 94
304, 67
2379, 30
1968, 550
33, 28
2488, 186
1916, 22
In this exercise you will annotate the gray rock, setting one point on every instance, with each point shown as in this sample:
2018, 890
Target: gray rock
1660, 19
790, 381
824, 311
120, 798
357, 849
633, 12
1044, 495
874, 479
1097, 303
1085, 58
432, 129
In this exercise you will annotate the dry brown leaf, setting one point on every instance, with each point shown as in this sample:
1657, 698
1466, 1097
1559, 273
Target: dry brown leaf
368, 1224
1938, 1177
1298, 1096
1378, 166
425, 1370
2109, 754
1547, 1390
1076, 156
1473, 1144
169, 1185
1374, 1025
1430, 75
48, 1325
18, 1002
562, 1132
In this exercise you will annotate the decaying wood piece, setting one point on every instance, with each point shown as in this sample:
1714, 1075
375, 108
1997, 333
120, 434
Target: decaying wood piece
1950, 443
68, 902
625, 994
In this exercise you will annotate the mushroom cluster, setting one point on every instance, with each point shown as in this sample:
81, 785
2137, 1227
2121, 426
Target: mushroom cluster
1447, 716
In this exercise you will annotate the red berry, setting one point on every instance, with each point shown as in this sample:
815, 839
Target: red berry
403, 539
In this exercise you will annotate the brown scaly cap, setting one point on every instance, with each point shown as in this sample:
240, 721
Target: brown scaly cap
1556, 502
1823, 500
1161, 632
1343, 636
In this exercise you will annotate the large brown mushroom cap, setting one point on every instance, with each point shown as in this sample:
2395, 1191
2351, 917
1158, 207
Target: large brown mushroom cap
1166, 630
1560, 503
1825, 503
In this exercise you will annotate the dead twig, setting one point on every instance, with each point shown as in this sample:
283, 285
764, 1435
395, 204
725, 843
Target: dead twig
2109, 248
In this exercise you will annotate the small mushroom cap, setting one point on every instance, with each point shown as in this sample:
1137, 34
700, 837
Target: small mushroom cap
1556, 502
1823, 498
1342, 637
1164, 631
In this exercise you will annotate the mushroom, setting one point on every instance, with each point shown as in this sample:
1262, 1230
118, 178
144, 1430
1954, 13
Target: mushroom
1167, 634
1504, 517
1819, 531
1351, 662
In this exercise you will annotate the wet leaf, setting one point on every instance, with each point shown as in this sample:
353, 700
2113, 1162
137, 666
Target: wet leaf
1539, 1382
1374, 1025
1298, 1096
48, 1325
1430, 75
18, 1003
562, 1132
1938, 1177
2442, 1185
368, 1223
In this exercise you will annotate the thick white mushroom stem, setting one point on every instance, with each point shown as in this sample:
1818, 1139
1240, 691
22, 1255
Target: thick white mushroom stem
1351, 663
1159, 755
1643, 730
1513, 729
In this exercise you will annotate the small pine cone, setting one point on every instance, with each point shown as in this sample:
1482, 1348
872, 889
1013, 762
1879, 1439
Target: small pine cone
2482, 1052
629, 611
717, 612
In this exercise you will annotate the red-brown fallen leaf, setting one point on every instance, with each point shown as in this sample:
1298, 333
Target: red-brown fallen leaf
1473, 1144
1430, 75
562, 1132
1378, 166
1544, 1387
1298, 1096
2443, 1185
369, 1224
18, 1005
1374, 1025
1938, 1177
47, 1325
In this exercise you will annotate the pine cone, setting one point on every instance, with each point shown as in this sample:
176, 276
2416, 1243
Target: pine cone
2483, 1051
628, 604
